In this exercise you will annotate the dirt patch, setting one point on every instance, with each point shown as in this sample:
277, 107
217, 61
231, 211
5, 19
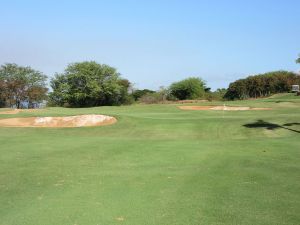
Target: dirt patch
16, 111
226, 108
68, 121
189, 101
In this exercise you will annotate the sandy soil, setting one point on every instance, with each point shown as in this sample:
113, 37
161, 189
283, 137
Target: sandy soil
229, 108
16, 111
69, 121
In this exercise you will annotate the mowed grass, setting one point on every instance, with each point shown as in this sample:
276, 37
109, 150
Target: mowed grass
157, 165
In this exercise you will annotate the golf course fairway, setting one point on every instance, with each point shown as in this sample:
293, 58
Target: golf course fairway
158, 165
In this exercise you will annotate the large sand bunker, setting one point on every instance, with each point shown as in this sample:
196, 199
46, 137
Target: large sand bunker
68, 121
229, 108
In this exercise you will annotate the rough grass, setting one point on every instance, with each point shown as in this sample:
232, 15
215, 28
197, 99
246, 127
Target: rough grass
157, 165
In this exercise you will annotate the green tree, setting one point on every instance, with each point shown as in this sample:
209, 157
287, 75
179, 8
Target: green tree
262, 85
126, 98
21, 86
88, 84
216, 95
298, 60
137, 94
190, 88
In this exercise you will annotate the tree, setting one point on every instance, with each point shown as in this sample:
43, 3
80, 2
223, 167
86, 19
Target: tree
262, 85
126, 98
190, 88
87, 84
60, 87
298, 60
137, 94
21, 86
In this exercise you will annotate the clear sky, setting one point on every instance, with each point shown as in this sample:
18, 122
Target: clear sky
154, 42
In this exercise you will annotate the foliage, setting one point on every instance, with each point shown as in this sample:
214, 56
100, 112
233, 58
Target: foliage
125, 97
190, 88
88, 84
298, 60
217, 95
20, 86
155, 96
2, 103
262, 85
137, 94
149, 98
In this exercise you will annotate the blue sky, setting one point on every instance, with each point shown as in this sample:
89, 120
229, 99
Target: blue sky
154, 43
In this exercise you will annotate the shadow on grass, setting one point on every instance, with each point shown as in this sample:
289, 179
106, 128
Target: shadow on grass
271, 126
284, 101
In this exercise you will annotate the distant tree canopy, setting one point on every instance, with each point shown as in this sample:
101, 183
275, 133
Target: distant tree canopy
88, 84
262, 85
216, 95
190, 88
137, 94
21, 86
298, 60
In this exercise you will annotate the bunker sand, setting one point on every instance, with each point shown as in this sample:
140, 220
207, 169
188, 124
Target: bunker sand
229, 108
68, 121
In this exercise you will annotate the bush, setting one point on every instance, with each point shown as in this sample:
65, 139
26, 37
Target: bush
217, 95
89, 84
137, 94
262, 85
190, 88
150, 98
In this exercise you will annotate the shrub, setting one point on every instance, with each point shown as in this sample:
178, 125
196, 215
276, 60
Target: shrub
190, 88
262, 85
88, 84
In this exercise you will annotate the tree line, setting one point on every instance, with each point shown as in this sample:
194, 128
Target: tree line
262, 85
83, 84
87, 84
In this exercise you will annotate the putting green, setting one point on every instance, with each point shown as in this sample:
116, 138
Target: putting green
157, 165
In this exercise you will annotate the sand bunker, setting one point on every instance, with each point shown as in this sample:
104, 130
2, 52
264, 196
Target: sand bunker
69, 121
229, 108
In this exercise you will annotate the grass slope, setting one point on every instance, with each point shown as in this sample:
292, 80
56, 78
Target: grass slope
157, 165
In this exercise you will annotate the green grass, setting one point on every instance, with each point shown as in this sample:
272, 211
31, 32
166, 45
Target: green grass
157, 165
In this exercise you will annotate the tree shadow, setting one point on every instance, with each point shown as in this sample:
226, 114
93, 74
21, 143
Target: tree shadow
290, 124
283, 101
271, 126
